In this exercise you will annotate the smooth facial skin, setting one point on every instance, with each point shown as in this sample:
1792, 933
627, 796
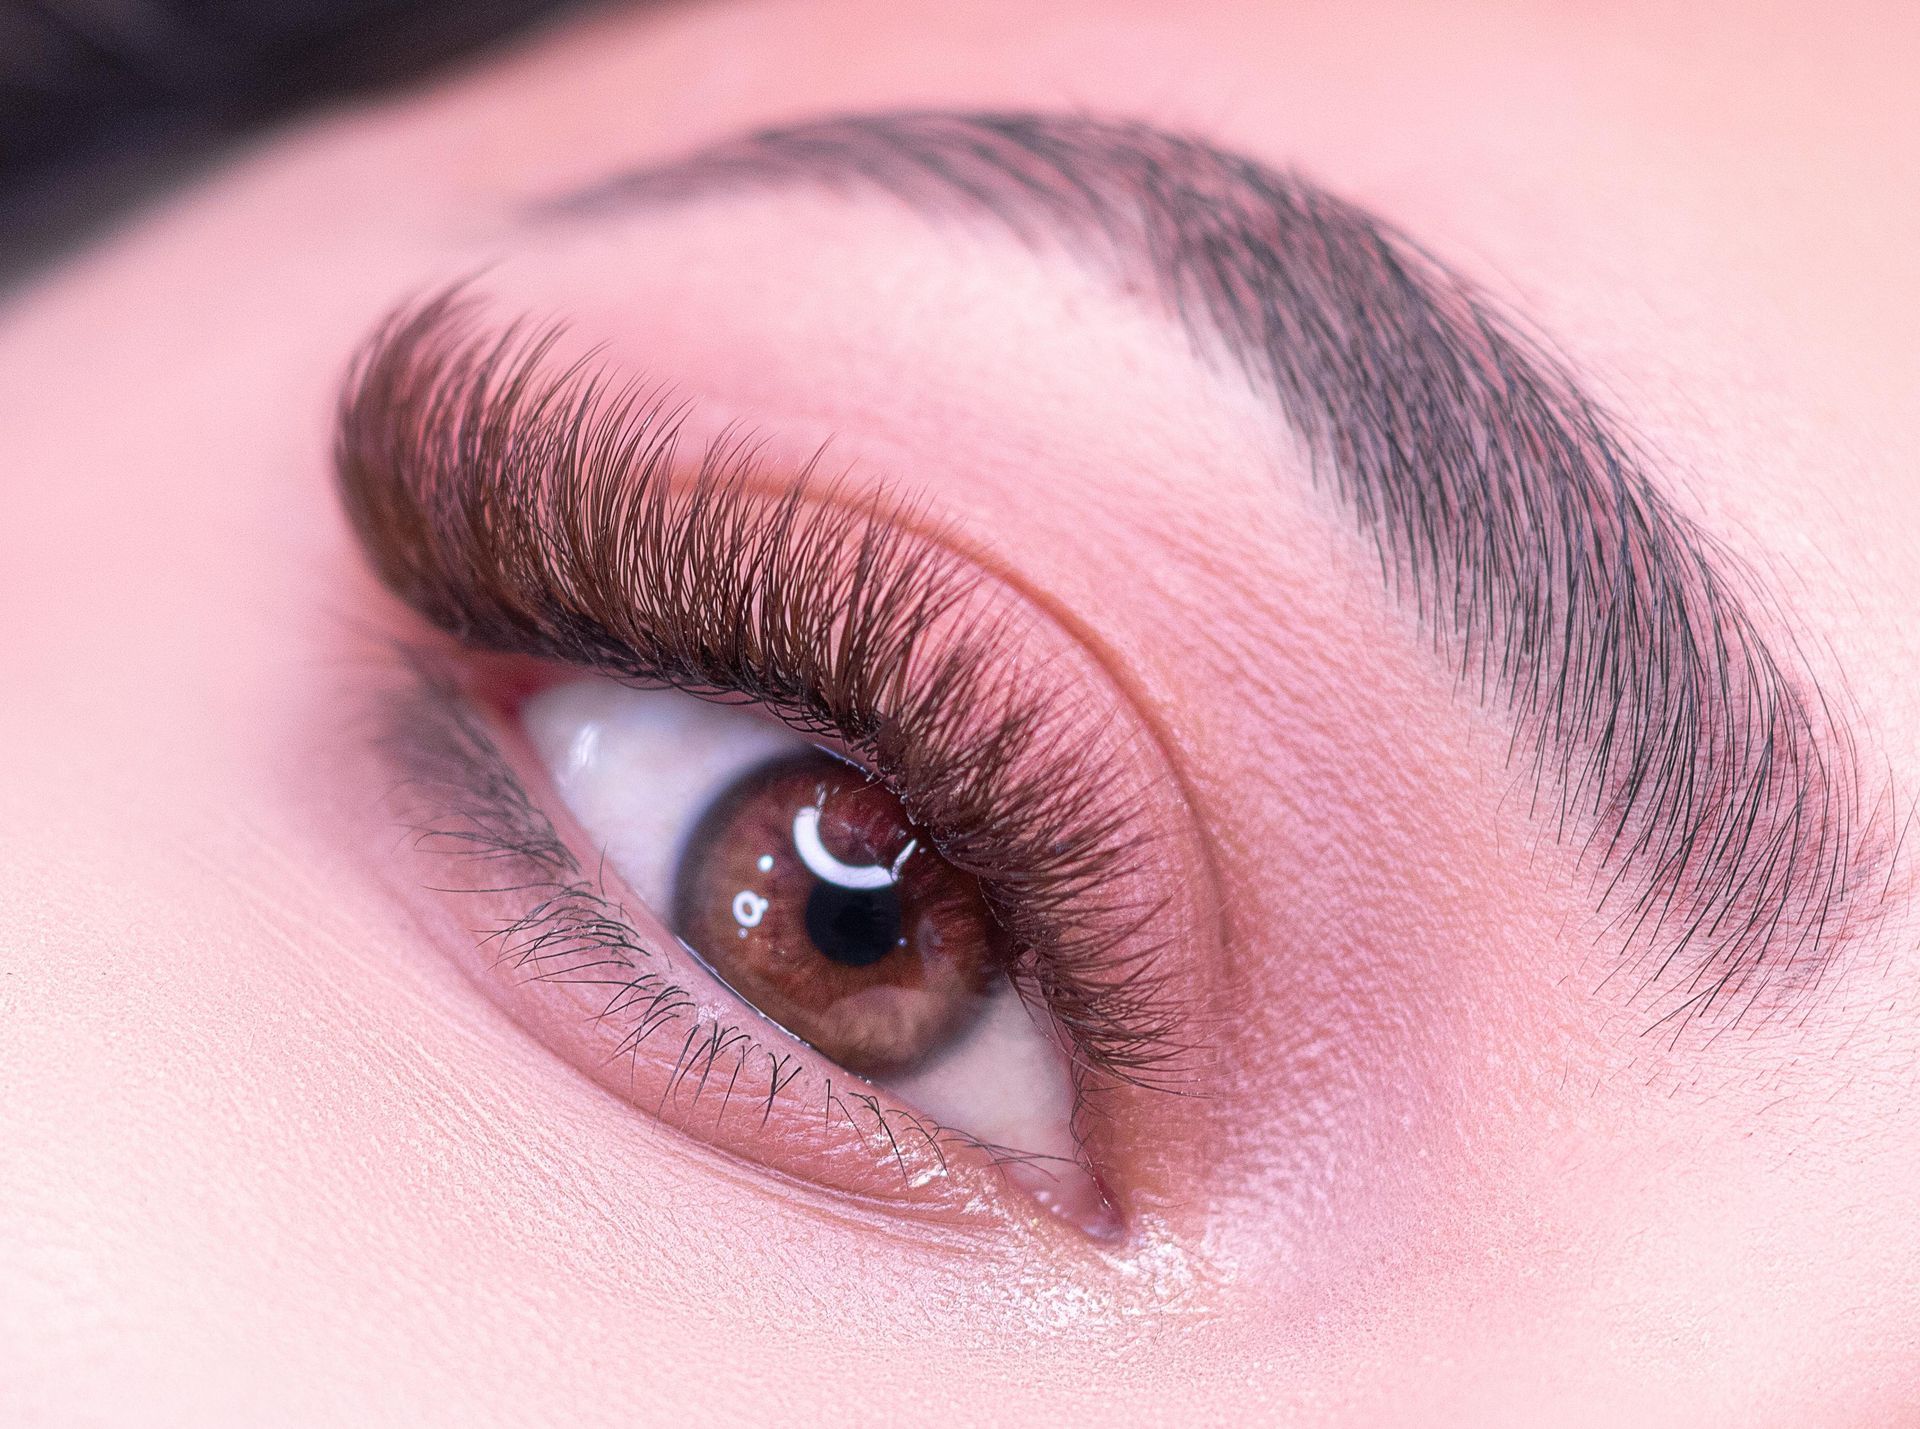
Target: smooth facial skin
269, 1148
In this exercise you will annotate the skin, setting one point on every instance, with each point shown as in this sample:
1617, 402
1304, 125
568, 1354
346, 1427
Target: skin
267, 1151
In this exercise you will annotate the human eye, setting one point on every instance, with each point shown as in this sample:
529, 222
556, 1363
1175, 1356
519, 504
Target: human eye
791, 824
799, 879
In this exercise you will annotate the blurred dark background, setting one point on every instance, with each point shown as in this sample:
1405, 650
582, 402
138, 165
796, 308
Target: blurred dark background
105, 101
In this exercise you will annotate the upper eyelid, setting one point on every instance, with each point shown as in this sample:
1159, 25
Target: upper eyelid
1736, 833
532, 507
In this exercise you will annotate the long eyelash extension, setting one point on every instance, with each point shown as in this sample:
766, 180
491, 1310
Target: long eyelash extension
568, 930
545, 510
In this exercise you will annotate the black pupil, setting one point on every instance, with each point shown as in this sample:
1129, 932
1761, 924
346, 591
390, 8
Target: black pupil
856, 927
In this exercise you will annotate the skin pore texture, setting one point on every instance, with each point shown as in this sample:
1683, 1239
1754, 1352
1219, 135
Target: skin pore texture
268, 1151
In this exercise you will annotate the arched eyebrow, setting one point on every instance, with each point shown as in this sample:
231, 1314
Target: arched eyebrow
1715, 793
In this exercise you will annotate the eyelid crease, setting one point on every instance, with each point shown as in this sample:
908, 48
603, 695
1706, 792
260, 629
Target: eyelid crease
528, 507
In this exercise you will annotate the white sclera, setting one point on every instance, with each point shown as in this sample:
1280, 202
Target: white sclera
638, 769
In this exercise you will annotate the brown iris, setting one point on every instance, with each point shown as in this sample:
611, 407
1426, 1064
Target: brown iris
809, 890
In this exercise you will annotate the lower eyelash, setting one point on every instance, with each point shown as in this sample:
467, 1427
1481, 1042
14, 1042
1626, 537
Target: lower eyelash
569, 930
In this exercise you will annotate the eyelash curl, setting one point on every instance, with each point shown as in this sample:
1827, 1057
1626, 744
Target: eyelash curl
528, 507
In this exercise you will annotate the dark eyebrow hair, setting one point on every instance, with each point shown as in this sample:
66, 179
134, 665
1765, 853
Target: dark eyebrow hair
1716, 793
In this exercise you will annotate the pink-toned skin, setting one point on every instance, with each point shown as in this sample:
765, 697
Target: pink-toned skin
267, 1154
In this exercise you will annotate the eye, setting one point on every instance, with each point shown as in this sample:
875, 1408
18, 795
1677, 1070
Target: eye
802, 882
980, 948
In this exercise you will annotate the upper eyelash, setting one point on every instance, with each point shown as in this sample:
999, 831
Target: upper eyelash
536, 511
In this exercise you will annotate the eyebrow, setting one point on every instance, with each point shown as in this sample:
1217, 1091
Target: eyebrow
1714, 791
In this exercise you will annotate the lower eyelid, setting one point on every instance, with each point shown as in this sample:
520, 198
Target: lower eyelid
597, 976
